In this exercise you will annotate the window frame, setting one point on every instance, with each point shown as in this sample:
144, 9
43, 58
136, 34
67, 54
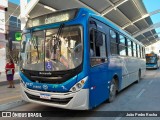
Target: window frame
117, 41
98, 58
124, 45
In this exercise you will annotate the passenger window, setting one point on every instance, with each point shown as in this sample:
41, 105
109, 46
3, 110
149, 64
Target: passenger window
140, 52
113, 42
137, 50
144, 52
113, 34
134, 49
97, 47
122, 46
129, 47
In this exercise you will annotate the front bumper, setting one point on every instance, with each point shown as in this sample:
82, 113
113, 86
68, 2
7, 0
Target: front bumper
151, 67
75, 101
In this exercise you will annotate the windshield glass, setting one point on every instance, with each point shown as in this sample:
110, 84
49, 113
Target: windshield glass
151, 59
46, 52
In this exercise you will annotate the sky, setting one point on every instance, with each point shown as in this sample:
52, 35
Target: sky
16, 1
152, 5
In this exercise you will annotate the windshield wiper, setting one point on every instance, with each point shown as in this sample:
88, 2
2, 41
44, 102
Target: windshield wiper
59, 32
60, 29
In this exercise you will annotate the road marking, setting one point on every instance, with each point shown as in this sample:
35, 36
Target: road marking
8, 98
142, 91
150, 82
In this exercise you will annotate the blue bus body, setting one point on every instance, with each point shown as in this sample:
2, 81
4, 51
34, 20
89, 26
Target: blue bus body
94, 81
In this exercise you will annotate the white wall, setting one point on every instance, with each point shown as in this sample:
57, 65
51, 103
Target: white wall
2, 56
154, 47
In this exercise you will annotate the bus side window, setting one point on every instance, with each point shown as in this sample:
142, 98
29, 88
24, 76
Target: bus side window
122, 45
138, 52
134, 49
97, 47
129, 47
92, 47
113, 42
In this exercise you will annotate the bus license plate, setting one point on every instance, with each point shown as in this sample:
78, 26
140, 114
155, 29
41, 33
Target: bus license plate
45, 96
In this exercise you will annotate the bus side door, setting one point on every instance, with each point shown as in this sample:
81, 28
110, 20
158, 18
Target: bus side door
98, 65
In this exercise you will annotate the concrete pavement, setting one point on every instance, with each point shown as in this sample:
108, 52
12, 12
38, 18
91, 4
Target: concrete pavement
9, 95
3, 80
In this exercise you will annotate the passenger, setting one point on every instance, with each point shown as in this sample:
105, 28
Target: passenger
10, 70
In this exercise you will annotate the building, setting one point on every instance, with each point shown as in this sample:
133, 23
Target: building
3, 8
9, 23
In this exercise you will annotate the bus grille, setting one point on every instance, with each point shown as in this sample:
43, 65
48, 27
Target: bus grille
52, 100
54, 78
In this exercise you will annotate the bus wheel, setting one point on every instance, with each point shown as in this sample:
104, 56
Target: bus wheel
112, 90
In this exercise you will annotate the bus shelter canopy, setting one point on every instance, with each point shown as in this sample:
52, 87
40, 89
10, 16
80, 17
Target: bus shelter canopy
130, 15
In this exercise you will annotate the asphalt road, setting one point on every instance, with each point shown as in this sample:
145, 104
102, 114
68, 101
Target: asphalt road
144, 96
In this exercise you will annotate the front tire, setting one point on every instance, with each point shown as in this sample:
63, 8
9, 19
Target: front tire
112, 91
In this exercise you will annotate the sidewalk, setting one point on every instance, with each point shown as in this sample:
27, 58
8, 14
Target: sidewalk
9, 97
9, 94
3, 80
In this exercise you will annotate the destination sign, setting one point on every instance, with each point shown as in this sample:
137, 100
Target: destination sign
54, 17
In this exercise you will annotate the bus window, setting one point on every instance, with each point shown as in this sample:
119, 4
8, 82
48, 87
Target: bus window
92, 47
140, 52
134, 49
113, 42
97, 47
122, 47
129, 47
143, 52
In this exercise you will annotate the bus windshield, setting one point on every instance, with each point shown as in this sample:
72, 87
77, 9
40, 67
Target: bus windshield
44, 51
151, 59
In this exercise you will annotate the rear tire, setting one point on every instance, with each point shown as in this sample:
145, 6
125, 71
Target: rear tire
112, 91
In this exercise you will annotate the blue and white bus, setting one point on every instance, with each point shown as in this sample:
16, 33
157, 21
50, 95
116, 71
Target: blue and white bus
76, 59
152, 61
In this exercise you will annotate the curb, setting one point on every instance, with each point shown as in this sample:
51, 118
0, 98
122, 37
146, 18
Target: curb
11, 105
6, 82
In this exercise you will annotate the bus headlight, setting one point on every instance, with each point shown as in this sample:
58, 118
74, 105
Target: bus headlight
79, 85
